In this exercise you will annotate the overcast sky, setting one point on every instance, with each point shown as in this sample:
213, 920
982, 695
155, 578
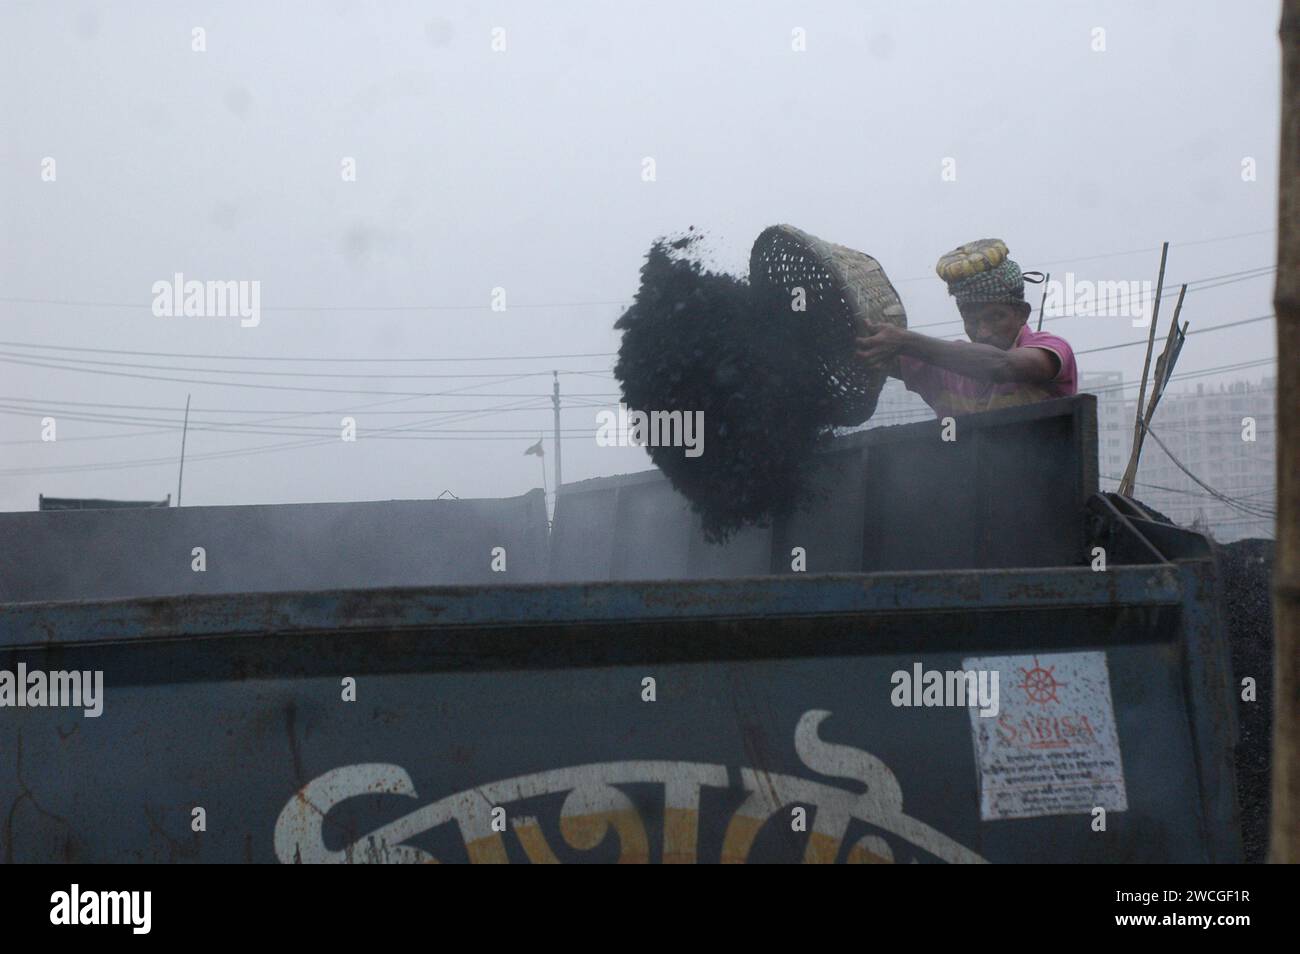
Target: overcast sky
522, 168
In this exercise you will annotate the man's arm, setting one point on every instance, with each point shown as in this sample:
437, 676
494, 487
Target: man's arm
982, 362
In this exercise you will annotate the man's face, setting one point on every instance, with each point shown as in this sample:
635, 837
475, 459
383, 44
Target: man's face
993, 324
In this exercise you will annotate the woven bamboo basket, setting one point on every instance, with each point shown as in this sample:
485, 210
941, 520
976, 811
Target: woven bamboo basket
842, 288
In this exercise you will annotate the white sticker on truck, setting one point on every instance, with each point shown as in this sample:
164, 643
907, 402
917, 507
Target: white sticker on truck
1053, 748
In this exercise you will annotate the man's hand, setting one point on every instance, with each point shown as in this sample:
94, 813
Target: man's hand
882, 344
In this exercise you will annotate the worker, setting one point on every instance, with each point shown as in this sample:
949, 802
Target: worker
1003, 365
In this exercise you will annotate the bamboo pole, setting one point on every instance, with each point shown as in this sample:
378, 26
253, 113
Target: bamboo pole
1164, 364
1130, 472
1284, 844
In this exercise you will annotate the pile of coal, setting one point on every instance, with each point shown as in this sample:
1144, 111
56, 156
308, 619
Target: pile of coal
696, 340
1245, 571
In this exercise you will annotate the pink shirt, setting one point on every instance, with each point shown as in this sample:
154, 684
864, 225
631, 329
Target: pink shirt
950, 393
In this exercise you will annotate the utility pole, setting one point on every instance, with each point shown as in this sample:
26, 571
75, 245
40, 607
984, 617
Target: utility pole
555, 400
1047, 280
180, 480
1284, 840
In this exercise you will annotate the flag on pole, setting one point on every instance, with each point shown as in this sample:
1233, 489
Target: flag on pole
536, 449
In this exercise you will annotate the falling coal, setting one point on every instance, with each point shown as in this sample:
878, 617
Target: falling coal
696, 340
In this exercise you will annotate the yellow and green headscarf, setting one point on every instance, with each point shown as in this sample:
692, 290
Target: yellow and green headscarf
981, 272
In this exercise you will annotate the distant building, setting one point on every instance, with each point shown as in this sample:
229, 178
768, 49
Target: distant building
1114, 425
1225, 435
897, 405
96, 503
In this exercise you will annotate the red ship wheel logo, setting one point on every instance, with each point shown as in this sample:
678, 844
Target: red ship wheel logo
1040, 685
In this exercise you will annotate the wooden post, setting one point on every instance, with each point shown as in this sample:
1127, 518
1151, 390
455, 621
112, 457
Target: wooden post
1284, 843
1130, 472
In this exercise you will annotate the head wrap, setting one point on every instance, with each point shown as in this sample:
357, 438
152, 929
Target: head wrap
980, 272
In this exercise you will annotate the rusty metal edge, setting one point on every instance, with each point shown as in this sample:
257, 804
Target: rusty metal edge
25, 625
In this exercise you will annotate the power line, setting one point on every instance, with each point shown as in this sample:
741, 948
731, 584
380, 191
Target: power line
266, 387
1227, 431
1137, 301
1178, 490
285, 374
459, 414
1133, 251
64, 302
923, 412
168, 425
1196, 284
236, 452
219, 427
1211, 461
1194, 331
622, 303
1184, 375
52, 404
305, 412
241, 357
1180, 376
272, 448
1200, 483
